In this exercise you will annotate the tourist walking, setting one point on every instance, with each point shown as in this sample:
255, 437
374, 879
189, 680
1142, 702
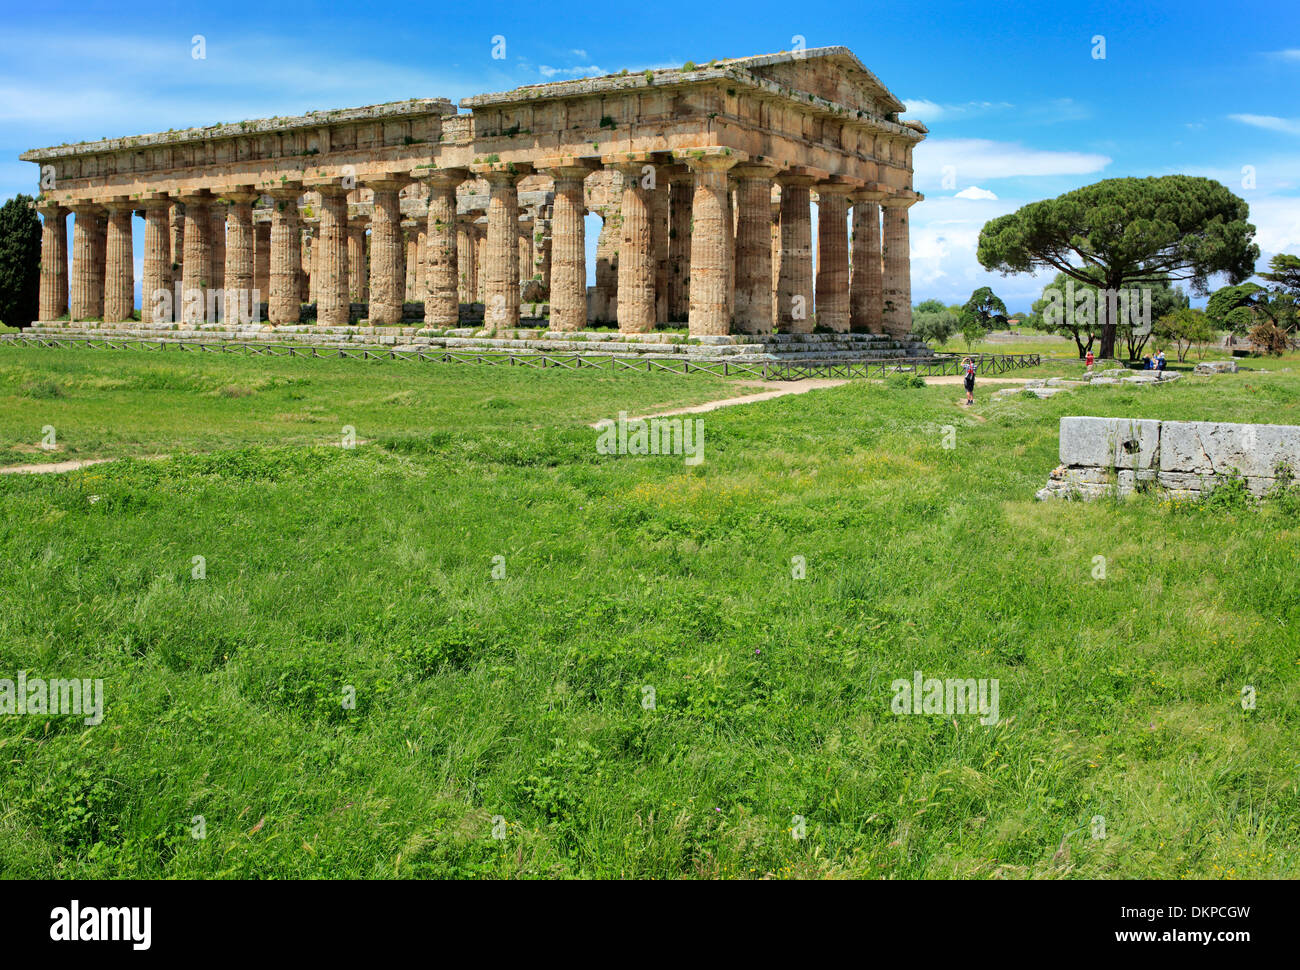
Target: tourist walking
968, 366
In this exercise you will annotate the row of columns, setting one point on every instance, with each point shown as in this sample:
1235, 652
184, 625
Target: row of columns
742, 274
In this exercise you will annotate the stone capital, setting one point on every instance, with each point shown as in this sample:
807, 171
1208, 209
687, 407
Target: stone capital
499, 172
387, 182
241, 195
801, 176
198, 197
712, 158
839, 185
285, 191
754, 170
901, 200
441, 177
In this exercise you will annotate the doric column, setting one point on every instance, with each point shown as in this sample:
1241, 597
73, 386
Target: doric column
176, 227
156, 267
441, 301
464, 262
730, 236
865, 286
262, 260
119, 263
240, 264
833, 255
54, 266
312, 262
331, 262
197, 264
753, 301
897, 316
501, 266
605, 309
219, 213
284, 299
357, 262
386, 265
681, 190
304, 259
710, 275
660, 204
87, 296
568, 247
795, 288
776, 258
636, 263
411, 248
480, 260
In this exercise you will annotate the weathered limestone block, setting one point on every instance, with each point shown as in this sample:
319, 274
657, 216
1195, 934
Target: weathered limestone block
1131, 443
1216, 367
1211, 448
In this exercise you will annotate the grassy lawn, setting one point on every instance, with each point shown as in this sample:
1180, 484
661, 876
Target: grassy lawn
519, 703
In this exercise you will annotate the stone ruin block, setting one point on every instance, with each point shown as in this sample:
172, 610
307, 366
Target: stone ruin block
1127, 443
1214, 448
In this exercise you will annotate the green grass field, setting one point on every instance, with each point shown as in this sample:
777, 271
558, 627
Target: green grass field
518, 706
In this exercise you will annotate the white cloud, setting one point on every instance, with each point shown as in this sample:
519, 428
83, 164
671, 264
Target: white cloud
1289, 126
1290, 54
975, 192
926, 110
979, 158
579, 54
590, 70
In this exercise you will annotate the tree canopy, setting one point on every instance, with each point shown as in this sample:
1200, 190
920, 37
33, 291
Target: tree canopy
20, 261
1128, 232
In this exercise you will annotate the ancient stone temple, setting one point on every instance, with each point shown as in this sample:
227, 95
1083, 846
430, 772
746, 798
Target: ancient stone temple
704, 177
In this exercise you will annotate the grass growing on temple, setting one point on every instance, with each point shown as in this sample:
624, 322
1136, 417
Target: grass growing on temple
518, 703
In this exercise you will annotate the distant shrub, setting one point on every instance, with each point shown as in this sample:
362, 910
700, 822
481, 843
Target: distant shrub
906, 380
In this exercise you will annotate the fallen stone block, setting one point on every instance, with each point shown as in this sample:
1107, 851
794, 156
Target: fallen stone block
1215, 448
1130, 443
1216, 367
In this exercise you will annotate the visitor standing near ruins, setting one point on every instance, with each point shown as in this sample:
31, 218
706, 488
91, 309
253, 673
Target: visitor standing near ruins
1089, 361
1160, 363
969, 367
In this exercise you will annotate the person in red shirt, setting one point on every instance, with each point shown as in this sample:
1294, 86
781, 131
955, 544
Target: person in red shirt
1088, 361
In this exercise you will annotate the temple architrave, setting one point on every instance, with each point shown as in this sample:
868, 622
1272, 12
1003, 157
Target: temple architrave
704, 178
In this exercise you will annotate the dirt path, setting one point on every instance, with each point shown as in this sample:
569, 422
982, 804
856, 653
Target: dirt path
778, 389
53, 467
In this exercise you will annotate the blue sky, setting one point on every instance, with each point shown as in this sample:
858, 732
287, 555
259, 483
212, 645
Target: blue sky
1017, 104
